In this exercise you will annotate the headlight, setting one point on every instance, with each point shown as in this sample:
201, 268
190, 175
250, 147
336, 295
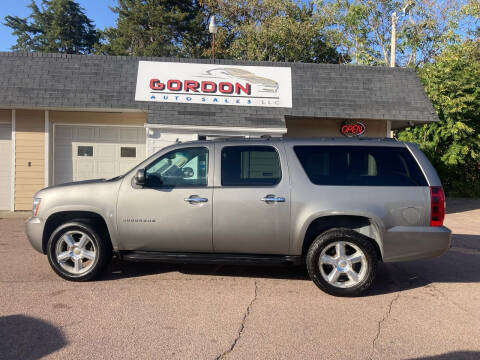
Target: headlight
36, 205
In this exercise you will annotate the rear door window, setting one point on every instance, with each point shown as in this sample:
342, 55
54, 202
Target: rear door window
250, 166
360, 166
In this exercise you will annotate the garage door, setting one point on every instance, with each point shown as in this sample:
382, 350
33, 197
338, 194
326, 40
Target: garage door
92, 152
5, 165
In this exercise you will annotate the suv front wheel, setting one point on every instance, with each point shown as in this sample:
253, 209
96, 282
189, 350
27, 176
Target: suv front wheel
76, 252
342, 262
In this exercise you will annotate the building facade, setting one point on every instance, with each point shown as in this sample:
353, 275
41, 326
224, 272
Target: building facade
74, 117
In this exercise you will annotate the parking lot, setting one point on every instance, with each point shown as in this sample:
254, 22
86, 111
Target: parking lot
426, 309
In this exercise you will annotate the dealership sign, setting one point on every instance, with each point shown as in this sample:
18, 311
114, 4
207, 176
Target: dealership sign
214, 84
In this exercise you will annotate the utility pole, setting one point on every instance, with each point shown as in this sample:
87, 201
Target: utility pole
213, 46
393, 49
393, 39
407, 11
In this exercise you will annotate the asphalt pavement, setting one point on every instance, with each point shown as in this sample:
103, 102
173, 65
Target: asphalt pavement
415, 310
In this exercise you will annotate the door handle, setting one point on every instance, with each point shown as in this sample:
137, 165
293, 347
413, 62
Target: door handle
272, 198
193, 199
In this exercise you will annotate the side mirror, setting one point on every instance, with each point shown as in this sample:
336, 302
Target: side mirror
140, 177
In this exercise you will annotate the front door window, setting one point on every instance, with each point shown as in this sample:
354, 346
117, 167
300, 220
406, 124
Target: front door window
187, 167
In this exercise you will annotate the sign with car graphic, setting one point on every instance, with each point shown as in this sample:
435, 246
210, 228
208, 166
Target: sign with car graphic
214, 84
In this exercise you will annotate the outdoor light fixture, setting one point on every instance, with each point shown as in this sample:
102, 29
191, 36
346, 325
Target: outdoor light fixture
212, 28
408, 6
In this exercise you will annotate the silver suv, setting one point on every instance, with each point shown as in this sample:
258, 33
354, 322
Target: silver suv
338, 205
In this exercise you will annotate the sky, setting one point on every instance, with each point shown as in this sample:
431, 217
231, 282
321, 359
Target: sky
97, 10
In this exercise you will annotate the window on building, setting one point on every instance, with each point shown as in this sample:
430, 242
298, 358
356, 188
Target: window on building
85, 151
360, 166
187, 167
250, 166
128, 152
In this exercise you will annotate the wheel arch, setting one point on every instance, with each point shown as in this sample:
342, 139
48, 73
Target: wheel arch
58, 218
363, 225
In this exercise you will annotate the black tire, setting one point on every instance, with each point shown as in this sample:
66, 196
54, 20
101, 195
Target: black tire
102, 247
324, 241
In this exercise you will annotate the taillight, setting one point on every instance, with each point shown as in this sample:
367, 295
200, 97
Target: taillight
437, 206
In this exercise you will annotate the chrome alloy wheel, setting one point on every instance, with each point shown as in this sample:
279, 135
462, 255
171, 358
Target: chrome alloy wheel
343, 264
76, 252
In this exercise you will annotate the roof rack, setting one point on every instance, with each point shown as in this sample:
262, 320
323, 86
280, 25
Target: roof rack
279, 138
379, 139
245, 137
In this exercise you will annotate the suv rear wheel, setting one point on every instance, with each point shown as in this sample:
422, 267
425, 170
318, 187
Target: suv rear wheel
342, 262
76, 252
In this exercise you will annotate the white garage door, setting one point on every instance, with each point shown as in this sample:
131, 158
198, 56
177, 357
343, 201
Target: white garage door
92, 152
5, 165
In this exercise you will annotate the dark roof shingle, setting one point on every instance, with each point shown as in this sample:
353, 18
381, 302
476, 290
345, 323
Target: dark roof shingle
108, 82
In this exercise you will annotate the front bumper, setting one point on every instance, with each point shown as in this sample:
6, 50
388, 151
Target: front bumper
34, 230
406, 243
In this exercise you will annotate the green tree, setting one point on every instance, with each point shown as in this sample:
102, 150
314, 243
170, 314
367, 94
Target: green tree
271, 30
157, 28
362, 29
452, 83
428, 28
54, 26
472, 12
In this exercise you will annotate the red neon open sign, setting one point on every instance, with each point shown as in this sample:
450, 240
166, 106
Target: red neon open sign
352, 129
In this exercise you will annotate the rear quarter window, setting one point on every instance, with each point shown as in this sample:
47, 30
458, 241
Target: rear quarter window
360, 166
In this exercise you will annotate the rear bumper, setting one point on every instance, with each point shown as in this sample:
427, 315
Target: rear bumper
34, 230
405, 243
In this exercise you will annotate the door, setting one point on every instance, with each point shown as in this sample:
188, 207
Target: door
251, 210
5, 165
173, 210
92, 152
